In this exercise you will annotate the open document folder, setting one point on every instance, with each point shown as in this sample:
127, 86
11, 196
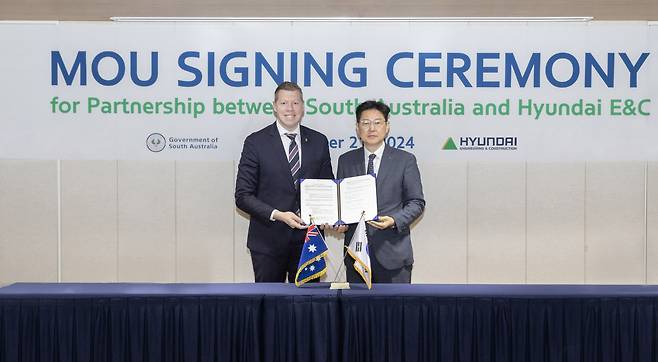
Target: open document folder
337, 202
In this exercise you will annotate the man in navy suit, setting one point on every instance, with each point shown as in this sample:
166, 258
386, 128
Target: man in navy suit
400, 198
267, 185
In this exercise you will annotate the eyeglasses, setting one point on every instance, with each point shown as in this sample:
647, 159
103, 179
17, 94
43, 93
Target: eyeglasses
375, 124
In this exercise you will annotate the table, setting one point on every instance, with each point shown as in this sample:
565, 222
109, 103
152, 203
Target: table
279, 322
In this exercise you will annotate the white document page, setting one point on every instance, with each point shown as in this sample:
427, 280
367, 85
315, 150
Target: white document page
358, 194
319, 200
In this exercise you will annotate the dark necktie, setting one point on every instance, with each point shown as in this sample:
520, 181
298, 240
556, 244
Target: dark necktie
293, 158
371, 164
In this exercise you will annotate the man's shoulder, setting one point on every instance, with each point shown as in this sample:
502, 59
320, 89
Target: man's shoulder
263, 132
351, 155
399, 154
311, 133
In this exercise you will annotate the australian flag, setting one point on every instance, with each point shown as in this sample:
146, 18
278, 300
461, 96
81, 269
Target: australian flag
312, 263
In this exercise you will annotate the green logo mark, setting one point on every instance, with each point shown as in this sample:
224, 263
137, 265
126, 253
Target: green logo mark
449, 145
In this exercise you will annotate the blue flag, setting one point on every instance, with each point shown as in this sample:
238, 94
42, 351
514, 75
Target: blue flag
311, 263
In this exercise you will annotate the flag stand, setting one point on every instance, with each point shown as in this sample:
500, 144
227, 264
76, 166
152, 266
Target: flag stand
342, 285
339, 285
365, 268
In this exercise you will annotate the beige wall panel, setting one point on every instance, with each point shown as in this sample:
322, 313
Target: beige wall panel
204, 221
89, 221
496, 222
440, 237
556, 223
614, 223
652, 223
147, 221
28, 221
243, 271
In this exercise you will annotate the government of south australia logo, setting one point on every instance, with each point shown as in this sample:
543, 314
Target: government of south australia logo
155, 142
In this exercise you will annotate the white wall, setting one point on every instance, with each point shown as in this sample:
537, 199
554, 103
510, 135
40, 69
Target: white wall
176, 222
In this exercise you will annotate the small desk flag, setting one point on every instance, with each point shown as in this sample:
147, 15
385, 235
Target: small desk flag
311, 262
358, 249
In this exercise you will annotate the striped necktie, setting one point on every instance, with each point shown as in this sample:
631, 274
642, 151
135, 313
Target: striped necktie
371, 164
293, 158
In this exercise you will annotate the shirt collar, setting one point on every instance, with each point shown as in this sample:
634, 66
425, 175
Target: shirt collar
378, 152
283, 131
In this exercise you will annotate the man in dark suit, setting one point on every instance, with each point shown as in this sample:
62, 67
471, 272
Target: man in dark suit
267, 185
400, 198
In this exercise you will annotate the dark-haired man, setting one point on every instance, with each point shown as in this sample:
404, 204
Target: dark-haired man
267, 185
400, 198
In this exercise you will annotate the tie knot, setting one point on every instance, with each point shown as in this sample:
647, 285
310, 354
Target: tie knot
371, 156
291, 136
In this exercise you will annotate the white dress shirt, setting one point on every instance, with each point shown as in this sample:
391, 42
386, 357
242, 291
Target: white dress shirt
378, 159
285, 141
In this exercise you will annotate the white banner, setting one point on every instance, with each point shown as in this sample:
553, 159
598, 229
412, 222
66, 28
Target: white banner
458, 91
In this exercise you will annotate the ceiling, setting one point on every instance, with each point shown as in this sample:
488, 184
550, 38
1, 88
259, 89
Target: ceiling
99, 10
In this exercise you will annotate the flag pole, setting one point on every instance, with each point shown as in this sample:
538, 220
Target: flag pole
343, 285
333, 268
340, 285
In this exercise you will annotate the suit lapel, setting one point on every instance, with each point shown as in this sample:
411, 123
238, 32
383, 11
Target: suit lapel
385, 165
359, 163
279, 153
306, 151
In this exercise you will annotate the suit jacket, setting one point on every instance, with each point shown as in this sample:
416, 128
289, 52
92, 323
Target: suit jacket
264, 183
399, 195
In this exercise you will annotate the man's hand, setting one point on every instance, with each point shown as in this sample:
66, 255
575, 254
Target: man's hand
384, 222
290, 218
